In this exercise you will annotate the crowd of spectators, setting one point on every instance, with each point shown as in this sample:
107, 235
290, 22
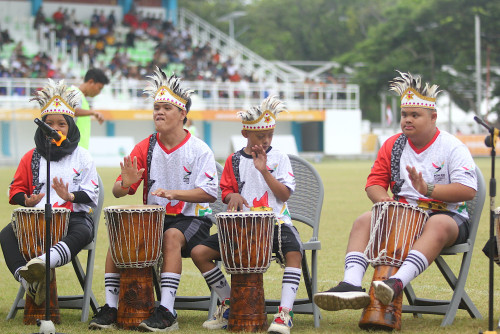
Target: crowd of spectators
170, 47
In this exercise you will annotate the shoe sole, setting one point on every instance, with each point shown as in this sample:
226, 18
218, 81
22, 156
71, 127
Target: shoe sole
335, 301
382, 292
95, 326
215, 326
145, 328
278, 329
33, 272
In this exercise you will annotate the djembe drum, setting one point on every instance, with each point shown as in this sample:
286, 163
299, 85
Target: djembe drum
394, 228
29, 227
135, 238
246, 243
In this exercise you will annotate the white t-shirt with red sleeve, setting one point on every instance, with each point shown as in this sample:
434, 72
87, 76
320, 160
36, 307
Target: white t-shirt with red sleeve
241, 176
76, 169
444, 160
187, 166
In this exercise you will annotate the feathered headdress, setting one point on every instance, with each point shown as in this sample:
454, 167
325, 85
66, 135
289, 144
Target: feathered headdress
262, 117
167, 89
57, 98
413, 94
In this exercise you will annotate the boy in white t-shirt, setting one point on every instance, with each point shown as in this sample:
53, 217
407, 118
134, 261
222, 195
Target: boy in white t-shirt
424, 167
257, 175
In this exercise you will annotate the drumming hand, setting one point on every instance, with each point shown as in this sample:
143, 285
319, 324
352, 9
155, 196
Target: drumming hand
61, 188
236, 202
33, 200
168, 194
130, 173
417, 180
259, 158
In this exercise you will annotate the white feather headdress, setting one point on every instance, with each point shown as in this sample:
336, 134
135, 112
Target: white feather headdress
57, 98
163, 88
262, 117
412, 93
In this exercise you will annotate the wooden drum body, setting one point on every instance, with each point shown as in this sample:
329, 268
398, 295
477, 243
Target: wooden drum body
394, 228
29, 227
246, 243
135, 237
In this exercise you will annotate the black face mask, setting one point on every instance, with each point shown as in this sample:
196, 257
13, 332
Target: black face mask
68, 145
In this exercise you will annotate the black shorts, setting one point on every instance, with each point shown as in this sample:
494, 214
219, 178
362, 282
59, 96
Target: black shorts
195, 230
290, 240
463, 225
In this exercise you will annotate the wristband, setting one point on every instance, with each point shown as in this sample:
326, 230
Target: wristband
121, 185
71, 197
430, 189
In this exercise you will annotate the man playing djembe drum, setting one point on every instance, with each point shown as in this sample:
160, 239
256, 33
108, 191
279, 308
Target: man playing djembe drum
180, 174
74, 187
424, 167
257, 175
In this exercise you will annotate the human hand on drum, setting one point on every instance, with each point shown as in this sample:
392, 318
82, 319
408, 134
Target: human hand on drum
130, 173
33, 200
236, 202
417, 180
259, 158
168, 194
61, 189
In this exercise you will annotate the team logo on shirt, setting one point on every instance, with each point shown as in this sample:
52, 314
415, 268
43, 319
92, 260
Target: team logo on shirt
272, 169
438, 167
210, 177
77, 178
187, 175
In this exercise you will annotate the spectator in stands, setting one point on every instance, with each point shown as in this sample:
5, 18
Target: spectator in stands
58, 16
94, 81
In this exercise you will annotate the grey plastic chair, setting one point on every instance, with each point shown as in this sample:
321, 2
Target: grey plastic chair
199, 303
305, 206
460, 299
88, 299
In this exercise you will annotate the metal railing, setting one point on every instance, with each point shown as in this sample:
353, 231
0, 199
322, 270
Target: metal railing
16, 92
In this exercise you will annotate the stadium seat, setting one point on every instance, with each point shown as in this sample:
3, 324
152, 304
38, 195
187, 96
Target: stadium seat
459, 299
305, 206
87, 300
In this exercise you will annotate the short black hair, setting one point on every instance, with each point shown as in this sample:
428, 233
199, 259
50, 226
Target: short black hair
97, 75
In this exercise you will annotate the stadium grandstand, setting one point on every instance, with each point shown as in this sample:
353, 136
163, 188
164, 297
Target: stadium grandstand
62, 40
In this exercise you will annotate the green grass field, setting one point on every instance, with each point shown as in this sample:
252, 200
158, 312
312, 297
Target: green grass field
345, 199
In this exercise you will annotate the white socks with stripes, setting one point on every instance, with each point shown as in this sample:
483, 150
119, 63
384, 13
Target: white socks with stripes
289, 287
59, 255
216, 280
414, 264
112, 288
169, 285
355, 268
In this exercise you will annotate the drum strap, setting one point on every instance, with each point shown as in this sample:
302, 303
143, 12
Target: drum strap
236, 169
35, 170
397, 151
149, 158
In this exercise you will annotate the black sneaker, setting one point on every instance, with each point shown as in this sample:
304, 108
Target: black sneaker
161, 320
105, 318
343, 296
386, 291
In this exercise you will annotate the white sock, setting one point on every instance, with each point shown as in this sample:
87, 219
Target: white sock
216, 280
414, 264
169, 285
289, 286
355, 268
112, 288
59, 255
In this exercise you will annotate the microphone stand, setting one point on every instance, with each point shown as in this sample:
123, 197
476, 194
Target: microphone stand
490, 142
47, 326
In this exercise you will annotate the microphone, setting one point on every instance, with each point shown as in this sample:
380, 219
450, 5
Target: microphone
47, 130
489, 141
